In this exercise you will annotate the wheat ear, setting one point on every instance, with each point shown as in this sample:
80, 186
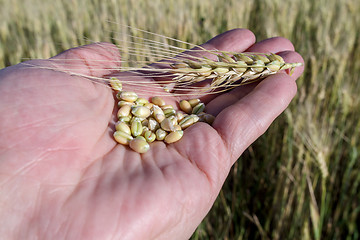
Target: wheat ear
231, 69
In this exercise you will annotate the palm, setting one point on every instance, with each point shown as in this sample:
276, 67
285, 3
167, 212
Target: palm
69, 178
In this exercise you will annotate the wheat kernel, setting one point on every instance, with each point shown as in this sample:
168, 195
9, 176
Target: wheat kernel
239, 70
159, 117
122, 103
122, 137
115, 84
173, 119
141, 101
244, 58
118, 95
174, 136
149, 136
185, 106
122, 126
241, 64
274, 66
285, 66
141, 137
136, 127
177, 128
128, 96
188, 121
144, 129
204, 70
274, 57
153, 124
158, 113
198, 108
167, 125
124, 111
259, 66
139, 145
160, 134
158, 101
201, 117
261, 58
209, 118
140, 111
126, 119
169, 112
193, 64
157, 110
193, 102
227, 58
221, 70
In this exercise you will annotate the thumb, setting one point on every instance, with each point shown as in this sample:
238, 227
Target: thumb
95, 60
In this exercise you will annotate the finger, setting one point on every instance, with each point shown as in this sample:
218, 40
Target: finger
274, 45
94, 60
223, 101
243, 122
236, 40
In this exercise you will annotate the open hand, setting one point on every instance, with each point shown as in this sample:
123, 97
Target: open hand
62, 176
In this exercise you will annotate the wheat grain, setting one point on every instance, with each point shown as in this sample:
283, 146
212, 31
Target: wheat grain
185, 106
136, 127
149, 136
122, 126
139, 144
124, 111
199, 108
158, 101
174, 136
193, 102
122, 137
141, 111
160, 134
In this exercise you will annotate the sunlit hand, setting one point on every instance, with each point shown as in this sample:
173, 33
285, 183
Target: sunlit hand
62, 176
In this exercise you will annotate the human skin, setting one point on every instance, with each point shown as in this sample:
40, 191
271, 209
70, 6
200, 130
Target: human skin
62, 176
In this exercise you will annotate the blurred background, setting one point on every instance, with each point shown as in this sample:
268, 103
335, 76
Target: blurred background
301, 179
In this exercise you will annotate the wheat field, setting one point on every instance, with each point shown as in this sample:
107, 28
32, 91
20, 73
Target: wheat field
301, 179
